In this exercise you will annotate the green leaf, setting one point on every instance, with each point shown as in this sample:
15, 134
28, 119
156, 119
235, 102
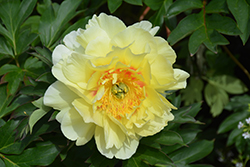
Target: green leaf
158, 18
32, 23
24, 39
41, 155
222, 24
216, 6
46, 77
52, 21
233, 136
185, 27
134, 2
180, 6
113, 5
33, 67
232, 121
194, 152
238, 103
229, 84
241, 12
193, 92
44, 54
154, 5
5, 48
150, 156
216, 98
39, 113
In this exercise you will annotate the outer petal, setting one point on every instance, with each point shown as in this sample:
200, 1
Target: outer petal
181, 77
59, 96
71, 43
110, 24
59, 53
74, 128
146, 25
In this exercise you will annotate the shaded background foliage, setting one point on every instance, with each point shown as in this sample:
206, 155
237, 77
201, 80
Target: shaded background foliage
211, 39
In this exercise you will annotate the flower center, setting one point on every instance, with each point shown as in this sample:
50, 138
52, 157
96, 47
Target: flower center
119, 90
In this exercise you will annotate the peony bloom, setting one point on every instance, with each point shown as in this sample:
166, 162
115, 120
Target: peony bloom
110, 80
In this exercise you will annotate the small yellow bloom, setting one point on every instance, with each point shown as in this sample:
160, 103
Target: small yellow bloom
109, 82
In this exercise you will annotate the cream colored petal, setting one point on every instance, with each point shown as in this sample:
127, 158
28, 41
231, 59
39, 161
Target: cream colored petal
138, 40
59, 96
87, 113
71, 43
110, 24
74, 127
114, 136
85, 36
101, 143
164, 49
76, 70
128, 149
162, 70
59, 53
98, 47
146, 25
181, 79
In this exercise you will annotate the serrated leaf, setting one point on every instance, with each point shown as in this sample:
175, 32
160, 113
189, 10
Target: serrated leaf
229, 83
194, 152
113, 5
185, 27
241, 12
180, 6
134, 2
52, 21
39, 113
232, 121
222, 24
154, 5
193, 92
216, 6
216, 98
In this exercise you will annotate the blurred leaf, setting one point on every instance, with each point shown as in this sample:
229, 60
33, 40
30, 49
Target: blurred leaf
222, 24
233, 135
41, 155
232, 121
43, 54
158, 18
193, 92
216, 98
37, 90
241, 12
41, 7
185, 27
241, 144
216, 6
113, 5
238, 103
5, 48
194, 152
39, 113
180, 6
52, 21
228, 83
154, 5
134, 2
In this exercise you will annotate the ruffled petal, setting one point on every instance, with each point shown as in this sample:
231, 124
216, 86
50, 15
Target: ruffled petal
71, 43
146, 25
110, 24
74, 127
181, 79
98, 47
59, 53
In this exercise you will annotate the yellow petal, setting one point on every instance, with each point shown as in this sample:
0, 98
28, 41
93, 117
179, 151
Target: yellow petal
71, 43
74, 127
181, 77
98, 47
146, 25
59, 53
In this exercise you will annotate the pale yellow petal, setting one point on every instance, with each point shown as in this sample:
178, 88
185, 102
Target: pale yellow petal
110, 24
128, 149
59, 96
98, 47
74, 127
71, 43
59, 53
181, 79
87, 112
146, 25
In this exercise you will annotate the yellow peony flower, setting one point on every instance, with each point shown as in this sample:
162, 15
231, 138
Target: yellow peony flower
109, 82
